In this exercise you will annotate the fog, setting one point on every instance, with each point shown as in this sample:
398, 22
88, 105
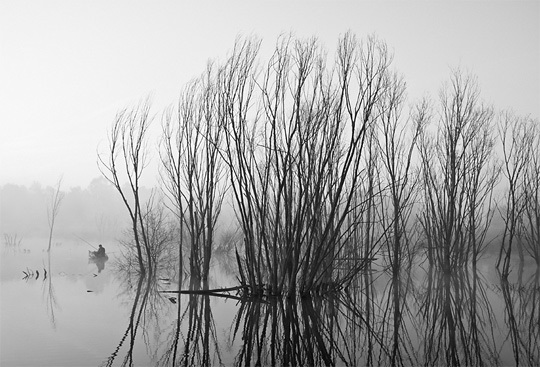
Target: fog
93, 212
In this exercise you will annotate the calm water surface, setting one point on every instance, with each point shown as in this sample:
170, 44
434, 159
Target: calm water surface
77, 316
81, 315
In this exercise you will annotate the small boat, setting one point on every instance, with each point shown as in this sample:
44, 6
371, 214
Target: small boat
93, 255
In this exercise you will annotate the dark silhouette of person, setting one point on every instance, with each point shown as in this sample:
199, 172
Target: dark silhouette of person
100, 258
100, 251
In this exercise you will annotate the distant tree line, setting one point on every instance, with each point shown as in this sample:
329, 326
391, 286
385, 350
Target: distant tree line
94, 212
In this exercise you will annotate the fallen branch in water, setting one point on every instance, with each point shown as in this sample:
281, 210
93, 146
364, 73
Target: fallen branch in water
208, 291
219, 293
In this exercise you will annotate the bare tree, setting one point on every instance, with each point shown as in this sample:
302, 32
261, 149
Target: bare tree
517, 136
53, 208
127, 158
530, 227
192, 166
458, 176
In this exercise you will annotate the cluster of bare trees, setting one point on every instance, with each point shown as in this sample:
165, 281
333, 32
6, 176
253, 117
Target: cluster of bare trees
329, 170
476, 165
520, 211
295, 146
327, 167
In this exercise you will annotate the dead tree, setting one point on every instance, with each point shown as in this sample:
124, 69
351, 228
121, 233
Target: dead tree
192, 168
53, 208
530, 223
458, 176
126, 159
517, 137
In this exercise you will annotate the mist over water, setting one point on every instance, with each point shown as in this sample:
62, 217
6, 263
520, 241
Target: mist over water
95, 211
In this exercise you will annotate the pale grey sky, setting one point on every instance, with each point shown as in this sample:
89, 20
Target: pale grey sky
66, 67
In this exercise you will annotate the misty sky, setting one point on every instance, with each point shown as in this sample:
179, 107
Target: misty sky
67, 67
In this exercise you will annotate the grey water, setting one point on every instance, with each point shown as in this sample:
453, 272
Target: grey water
70, 311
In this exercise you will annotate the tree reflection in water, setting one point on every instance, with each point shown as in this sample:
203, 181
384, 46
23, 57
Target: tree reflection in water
49, 294
522, 307
345, 328
337, 329
146, 313
139, 305
443, 319
450, 322
456, 320
285, 331
199, 346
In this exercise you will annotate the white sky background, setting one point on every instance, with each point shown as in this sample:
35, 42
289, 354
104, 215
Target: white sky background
67, 67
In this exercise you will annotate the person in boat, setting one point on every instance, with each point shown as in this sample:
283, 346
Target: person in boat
99, 258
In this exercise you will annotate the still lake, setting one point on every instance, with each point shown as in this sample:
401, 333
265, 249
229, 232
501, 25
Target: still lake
77, 314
